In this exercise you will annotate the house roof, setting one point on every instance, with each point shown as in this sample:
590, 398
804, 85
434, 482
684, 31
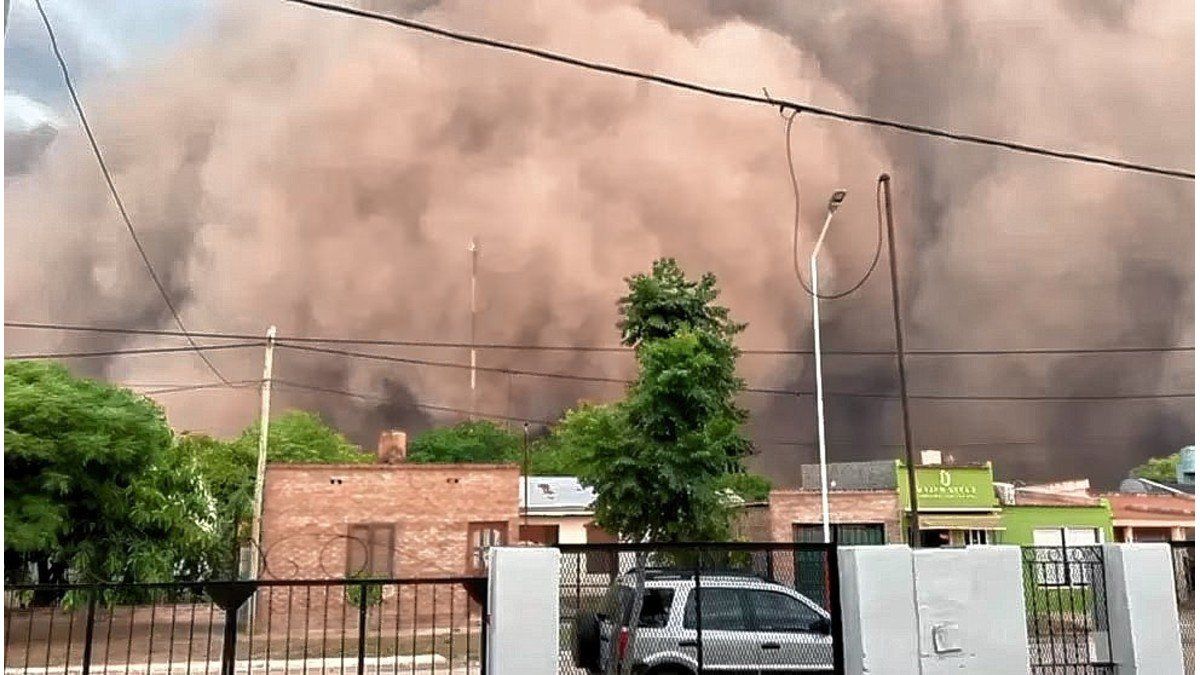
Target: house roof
1036, 498
1140, 507
557, 495
1147, 486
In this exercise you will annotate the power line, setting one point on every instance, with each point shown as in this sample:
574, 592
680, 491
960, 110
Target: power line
500, 346
131, 352
422, 406
749, 98
239, 384
112, 188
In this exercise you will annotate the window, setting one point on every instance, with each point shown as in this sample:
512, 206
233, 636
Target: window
977, 537
656, 606
1059, 561
370, 550
778, 613
842, 533
721, 609
481, 537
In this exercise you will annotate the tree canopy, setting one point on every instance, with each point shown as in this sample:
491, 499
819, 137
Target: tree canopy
479, 441
1161, 469
95, 487
660, 462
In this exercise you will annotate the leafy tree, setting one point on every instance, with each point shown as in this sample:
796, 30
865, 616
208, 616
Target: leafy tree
665, 301
750, 487
477, 442
566, 450
94, 486
1161, 469
300, 436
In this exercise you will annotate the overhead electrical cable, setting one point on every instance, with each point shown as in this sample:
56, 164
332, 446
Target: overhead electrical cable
748, 98
130, 352
112, 188
587, 348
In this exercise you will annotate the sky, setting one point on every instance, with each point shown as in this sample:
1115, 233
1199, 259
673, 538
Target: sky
324, 174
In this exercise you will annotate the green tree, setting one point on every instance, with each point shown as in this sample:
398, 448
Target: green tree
665, 301
750, 487
659, 473
94, 486
1161, 469
476, 442
565, 451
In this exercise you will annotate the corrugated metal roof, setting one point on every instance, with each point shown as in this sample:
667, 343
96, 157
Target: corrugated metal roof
557, 494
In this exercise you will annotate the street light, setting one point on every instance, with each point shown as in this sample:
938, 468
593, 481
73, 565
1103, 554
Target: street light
835, 200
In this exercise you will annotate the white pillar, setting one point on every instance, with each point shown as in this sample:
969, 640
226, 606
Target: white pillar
879, 614
522, 621
1142, 615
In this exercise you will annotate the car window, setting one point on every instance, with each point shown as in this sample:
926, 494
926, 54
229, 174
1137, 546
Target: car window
782, 613
656, 606
720, 609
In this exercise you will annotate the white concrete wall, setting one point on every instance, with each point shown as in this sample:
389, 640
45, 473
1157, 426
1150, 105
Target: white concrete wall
933, 611
1142, 615
522, 622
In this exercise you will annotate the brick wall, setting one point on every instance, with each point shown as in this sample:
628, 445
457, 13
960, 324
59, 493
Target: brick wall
308, 510
789, 507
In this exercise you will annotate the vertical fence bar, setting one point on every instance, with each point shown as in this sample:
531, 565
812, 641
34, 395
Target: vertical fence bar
699, 616
345, 600
89, 630
485, 616
362, 627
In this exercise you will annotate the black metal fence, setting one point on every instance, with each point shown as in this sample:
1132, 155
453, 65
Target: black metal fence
364, 627
1183, 558
704, 607
1066, 610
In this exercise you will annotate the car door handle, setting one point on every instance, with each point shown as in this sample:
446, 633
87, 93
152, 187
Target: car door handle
770, 645
687, 643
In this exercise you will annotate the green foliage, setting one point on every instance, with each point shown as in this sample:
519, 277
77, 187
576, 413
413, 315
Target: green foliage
95, 488
661, 460
665, 301
474, 442
750, 487
358, 594
300, 436
575, 438
1160, 469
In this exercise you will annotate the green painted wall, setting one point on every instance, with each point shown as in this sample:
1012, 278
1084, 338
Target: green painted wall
949, 487
1020, 521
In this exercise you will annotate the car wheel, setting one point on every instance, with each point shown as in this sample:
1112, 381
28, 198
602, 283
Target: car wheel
587, 642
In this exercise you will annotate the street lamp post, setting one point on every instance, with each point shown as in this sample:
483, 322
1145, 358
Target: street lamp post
835, 201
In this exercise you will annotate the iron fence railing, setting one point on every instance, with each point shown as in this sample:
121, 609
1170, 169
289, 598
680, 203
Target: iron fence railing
1066, 610
358, 626
707, 607
1183, 559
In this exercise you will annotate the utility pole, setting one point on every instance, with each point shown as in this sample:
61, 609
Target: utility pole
264, 422
473, 247
914, 527
835, 200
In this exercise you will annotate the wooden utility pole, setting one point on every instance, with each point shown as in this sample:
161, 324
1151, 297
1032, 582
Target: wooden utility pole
914, 527
264, 426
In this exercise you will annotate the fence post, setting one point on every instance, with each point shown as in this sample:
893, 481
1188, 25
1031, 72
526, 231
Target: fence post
230, 596
362, 626
835, 608
88, 632
699, 619
485, 613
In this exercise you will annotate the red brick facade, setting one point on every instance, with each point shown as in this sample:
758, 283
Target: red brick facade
403, 520
792, 507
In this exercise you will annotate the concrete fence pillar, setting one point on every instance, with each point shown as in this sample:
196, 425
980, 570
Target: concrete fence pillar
879, 615
1142, 616
522, 621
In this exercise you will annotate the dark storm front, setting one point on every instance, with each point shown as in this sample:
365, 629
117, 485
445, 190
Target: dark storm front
378, 627
708, 608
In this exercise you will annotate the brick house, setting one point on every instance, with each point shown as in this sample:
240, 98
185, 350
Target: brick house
389, 519
855, 516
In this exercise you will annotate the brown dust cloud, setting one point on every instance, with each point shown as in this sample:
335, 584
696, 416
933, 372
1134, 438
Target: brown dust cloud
324, 174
